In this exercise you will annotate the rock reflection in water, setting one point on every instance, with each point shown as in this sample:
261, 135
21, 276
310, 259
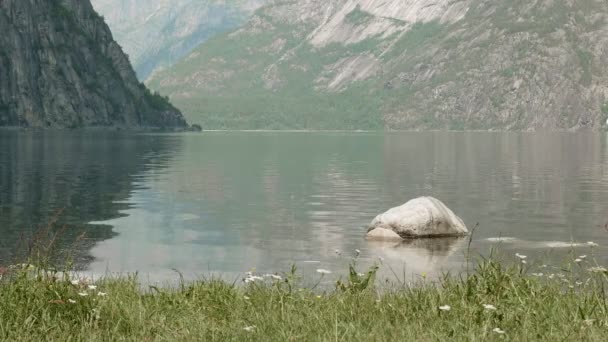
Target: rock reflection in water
417, 257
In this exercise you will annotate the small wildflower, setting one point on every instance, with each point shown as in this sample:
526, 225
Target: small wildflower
551, 276
582, 257
489, 307
598, 269
75, 282
318, 297
101, 294
544, 266
246, 298
498, 331
577, 260
71, 301
92, 287
249, 328
592, 244
579, 283
323, 271
537, 274
521, 256
361, 274
276, 277
357, 252
589, 321
83, 294
338, 252
252, 278
445, 308
524, 262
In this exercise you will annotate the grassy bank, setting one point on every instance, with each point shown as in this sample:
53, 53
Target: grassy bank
493, 303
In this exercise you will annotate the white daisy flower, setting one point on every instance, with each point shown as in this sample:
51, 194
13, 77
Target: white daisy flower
252, 278
323, 271
445, 308
498, 331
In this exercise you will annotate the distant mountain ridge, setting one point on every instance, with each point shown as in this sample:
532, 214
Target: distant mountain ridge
61, 68
402, 64
157, 33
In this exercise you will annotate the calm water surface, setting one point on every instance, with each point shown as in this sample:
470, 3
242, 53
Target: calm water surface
224, 203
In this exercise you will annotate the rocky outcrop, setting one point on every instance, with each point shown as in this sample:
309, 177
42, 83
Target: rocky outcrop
60, 67
419, 218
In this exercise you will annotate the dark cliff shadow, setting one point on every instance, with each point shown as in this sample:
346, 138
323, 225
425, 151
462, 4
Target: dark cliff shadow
70, 178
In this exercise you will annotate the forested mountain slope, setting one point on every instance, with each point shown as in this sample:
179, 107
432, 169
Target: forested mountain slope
157, 33
402, 64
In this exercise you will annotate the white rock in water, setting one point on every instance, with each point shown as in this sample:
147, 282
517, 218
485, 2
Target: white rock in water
383, 234
418, 218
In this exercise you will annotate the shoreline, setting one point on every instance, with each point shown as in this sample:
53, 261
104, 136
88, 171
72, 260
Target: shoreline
190, 130
493, 302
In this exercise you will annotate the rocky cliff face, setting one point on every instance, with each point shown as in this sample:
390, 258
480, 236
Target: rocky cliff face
60, 67
157, 33
402, 64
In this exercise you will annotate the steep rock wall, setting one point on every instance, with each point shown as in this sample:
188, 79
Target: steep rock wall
60, 67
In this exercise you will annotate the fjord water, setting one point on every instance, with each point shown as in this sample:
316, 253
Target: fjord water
224, 203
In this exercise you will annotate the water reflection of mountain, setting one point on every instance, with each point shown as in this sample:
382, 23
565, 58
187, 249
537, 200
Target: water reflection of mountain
85, 175
262, 200
233, 201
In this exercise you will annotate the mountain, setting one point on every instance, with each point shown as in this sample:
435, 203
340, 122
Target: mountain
157, 33
402, 64
60, 67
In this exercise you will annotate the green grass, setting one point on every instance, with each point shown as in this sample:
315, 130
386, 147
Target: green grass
36, 306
